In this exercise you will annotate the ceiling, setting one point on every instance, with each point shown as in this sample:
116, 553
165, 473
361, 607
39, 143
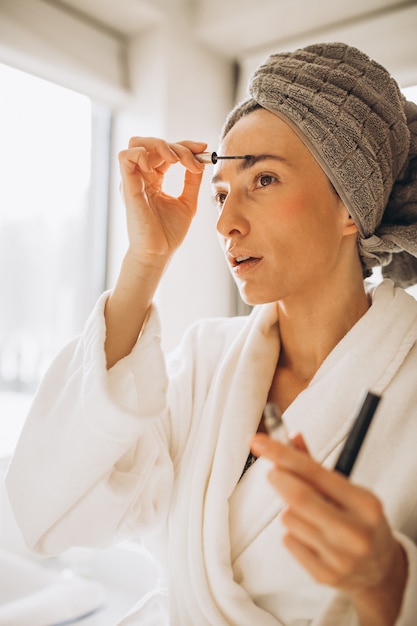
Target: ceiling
234, 27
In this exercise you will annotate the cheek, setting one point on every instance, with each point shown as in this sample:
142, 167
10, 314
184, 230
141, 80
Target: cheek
294, 203
292, 214
314, 214
307, 229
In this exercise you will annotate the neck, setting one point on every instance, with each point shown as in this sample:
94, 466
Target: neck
312, 325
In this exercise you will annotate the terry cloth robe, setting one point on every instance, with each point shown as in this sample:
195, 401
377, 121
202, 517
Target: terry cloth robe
156, 450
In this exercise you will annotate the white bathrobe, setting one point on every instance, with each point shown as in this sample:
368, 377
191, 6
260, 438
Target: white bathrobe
156, 450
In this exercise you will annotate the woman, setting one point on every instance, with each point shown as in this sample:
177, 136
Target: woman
132, 443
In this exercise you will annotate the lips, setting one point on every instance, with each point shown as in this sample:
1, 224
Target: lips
240, 260
245, 259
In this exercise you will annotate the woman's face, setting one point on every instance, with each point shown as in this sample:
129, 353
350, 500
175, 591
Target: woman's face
282, 226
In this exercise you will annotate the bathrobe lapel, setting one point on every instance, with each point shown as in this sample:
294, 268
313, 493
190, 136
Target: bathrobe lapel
249, 369
367, 358
210, 473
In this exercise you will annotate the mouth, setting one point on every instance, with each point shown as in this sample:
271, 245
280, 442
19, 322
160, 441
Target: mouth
243, 262
244, 259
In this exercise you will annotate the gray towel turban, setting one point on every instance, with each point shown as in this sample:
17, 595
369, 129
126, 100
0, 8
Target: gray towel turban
351, 115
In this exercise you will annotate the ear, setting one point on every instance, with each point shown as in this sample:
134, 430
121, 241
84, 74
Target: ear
349, 226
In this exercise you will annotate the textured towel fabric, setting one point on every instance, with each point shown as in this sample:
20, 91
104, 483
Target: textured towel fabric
352, 116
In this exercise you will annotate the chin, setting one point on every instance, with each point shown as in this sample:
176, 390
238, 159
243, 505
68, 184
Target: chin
253, 299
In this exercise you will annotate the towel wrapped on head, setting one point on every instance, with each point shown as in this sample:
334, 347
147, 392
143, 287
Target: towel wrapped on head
352, 116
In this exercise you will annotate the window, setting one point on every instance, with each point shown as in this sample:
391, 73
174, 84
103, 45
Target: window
53, 149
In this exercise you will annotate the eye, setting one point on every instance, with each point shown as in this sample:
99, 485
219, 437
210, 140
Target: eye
264, 180
219, 199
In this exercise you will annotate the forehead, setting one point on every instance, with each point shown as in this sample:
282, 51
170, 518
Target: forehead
260, 132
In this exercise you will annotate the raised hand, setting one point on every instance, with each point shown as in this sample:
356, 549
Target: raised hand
158, 223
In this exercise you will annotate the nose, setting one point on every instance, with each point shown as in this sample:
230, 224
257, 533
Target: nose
232, 219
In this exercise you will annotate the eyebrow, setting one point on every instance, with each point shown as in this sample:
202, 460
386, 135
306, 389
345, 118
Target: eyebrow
250, 160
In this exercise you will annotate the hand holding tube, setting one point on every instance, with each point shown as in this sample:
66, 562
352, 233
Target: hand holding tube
335, 529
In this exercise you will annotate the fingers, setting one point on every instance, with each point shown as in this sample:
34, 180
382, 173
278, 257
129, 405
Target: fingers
189, 195
297, 440
150, 154
156, 220
308, 558
336, 530
332, 485
186, 151
317, 522
336, 548
144, 163
333, 526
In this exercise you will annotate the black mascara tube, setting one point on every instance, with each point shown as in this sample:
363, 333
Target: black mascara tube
357, 434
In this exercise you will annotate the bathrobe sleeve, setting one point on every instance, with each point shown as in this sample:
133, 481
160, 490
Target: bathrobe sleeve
95, 458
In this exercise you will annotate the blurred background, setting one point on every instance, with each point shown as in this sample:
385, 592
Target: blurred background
77, 79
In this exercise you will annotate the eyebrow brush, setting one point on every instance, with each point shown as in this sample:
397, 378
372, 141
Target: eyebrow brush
213, 157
